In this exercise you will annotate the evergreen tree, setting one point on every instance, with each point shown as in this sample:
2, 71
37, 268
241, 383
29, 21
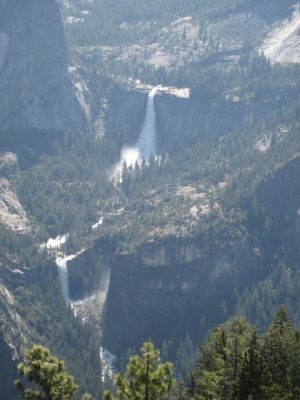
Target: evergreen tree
255, 381
48, 375
221, 360
181, 392
146, 378
295, 361
211, 366
278, 352
191, 384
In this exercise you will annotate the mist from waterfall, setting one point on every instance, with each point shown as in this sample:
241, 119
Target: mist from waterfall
146, 144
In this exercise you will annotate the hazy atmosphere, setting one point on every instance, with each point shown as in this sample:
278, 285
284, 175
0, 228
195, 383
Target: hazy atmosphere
149, 200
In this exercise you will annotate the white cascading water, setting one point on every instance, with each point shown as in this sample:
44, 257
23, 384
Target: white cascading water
54, 245
62, 265
147, 140
146, 144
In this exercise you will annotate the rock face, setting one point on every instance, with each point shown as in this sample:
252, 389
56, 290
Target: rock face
282, 45
7, 374
278, 199
13, 331
125, 115
36, 94
12, 213
182, 120
224, 36
185, 120
89, 272
181, 117
173, 287
8, 164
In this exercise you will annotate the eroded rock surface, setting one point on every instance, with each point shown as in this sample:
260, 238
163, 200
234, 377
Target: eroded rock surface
282, 45
12, 214
13, 339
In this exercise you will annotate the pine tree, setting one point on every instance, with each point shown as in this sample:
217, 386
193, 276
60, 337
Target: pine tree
211, 366
278, 352
181, 392
146, 378
49, 376
296, 366
191, 384
255, 381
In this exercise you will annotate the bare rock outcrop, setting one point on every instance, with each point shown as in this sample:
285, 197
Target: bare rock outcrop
37, 97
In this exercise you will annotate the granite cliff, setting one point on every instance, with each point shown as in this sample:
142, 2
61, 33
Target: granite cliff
37, 100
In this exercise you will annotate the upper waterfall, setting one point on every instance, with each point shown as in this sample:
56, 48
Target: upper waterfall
147, 140
146, 144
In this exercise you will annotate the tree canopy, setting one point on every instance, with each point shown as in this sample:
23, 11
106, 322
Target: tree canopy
47, 376
146, 378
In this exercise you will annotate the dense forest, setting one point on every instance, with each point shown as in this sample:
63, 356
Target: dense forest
236, 362
216, 206
63, 194
103, 24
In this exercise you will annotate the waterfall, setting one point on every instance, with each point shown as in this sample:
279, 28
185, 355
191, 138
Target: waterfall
62, 265
147, 140
146, 144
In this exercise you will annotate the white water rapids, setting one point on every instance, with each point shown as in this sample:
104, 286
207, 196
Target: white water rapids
146, 144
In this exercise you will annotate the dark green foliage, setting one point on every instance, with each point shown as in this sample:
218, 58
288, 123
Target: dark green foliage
238, 364
255, 380
103, 25
47, 376
278, 348
52, 324
221, 360
146, 378
63, 193
22, 249
185, 359
295, 365
235, 364
48, 373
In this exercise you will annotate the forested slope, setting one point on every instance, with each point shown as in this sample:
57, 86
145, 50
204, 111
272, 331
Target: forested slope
203, 230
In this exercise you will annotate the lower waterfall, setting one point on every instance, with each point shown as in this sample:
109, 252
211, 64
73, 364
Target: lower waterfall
62, 265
